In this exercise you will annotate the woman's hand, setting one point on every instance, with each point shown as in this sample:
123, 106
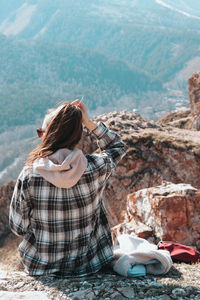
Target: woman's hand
86, 120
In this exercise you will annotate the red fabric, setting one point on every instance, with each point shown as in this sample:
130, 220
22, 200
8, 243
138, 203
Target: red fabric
180, 252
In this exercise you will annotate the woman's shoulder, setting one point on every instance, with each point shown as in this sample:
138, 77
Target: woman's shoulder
26, 173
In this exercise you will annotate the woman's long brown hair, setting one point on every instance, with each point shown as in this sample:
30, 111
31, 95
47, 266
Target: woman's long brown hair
64, 131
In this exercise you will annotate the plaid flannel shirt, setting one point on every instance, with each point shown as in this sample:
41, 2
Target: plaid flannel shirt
66, 231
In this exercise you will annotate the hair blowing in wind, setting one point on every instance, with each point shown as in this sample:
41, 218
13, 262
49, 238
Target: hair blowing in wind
64, 131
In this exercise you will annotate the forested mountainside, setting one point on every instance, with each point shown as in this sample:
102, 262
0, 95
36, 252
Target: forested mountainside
113, 53
116, 54
156, 36
35, 75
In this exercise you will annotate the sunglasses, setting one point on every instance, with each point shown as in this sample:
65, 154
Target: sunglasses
40, 132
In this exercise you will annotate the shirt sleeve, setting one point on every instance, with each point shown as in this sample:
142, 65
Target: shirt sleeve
20, 208
112, 149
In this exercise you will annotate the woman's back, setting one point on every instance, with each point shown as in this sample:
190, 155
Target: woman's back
65, 228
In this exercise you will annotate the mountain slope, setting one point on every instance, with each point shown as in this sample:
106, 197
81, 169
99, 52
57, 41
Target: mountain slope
156, 36
188, 8
36, 75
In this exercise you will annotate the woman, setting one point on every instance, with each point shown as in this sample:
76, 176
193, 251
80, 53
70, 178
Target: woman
57, 204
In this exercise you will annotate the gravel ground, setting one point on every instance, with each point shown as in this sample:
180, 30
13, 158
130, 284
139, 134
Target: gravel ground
181, 282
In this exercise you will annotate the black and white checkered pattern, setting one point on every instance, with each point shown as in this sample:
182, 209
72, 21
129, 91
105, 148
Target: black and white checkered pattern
65, 231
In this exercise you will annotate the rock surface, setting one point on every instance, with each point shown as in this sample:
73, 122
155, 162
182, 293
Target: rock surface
168, 212
187, 118
178, 284
178, 118
194, 93
155, 153
6, 191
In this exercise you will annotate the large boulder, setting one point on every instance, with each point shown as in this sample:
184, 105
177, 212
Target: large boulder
169, 212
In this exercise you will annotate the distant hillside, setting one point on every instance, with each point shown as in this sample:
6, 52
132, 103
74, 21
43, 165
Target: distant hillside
111, 52
36, 75
156, 36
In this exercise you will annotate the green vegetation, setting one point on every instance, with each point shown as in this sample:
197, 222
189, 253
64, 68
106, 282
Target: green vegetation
36, 75
144, 35
112, 53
